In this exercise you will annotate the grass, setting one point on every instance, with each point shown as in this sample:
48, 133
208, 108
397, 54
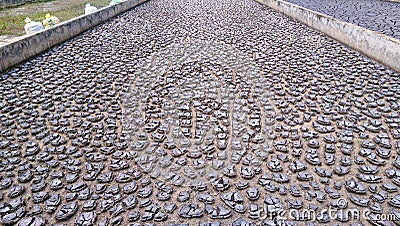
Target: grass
12, 20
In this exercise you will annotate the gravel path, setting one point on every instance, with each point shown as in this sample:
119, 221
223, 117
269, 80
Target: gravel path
199, 113
377, 15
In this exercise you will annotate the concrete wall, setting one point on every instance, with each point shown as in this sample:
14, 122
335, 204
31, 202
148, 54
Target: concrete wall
379, 47
28, 46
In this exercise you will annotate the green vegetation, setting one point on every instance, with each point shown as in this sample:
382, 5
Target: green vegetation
12, 20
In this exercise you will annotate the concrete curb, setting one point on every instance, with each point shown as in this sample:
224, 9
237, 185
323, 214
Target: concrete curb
379, 47
27, 46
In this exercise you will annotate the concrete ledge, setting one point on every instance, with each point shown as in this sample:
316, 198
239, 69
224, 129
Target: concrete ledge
27, 46
379, 47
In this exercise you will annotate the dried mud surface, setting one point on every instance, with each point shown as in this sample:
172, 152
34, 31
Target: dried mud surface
199, 113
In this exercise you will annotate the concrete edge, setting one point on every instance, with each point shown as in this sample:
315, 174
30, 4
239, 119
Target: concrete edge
379, 47
27, 46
